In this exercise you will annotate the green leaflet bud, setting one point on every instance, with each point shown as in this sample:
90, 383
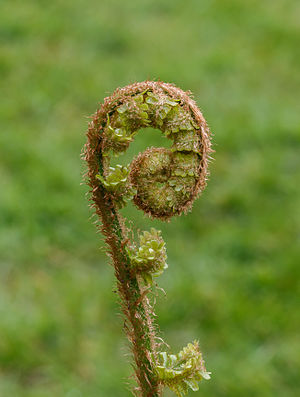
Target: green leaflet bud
149, 258
181, 371
116, 182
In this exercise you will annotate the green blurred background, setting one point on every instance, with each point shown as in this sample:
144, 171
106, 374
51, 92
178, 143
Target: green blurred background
233, 277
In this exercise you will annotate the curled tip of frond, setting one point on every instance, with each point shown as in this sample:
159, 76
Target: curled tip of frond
162, 182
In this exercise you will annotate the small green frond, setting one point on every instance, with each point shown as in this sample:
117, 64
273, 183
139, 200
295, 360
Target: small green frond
116, 182
149, 259
183, 370
116, 178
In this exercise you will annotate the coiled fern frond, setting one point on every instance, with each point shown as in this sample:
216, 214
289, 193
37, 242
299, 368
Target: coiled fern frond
162, 182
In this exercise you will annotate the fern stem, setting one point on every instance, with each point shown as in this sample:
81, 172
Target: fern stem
135, 306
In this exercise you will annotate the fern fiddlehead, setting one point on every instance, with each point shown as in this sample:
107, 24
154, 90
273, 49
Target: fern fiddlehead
162, 182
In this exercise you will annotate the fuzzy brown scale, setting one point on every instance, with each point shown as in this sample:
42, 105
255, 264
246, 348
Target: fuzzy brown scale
163, 183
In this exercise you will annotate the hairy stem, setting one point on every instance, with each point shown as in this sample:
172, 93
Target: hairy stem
134, 304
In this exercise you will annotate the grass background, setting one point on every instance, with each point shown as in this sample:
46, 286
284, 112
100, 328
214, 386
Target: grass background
233, 277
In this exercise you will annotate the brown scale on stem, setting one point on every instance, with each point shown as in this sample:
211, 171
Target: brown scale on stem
163, 183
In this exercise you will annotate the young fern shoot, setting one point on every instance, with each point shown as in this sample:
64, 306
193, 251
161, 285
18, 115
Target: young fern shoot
163, 183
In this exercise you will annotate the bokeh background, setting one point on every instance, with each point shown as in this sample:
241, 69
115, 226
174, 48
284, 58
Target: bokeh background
233, 277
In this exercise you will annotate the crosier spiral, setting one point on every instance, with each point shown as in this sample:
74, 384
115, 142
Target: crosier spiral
163, 182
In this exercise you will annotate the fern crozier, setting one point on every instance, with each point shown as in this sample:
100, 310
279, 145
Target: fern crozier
163, 183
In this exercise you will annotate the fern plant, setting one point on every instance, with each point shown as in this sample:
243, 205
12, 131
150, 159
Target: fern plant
163, 183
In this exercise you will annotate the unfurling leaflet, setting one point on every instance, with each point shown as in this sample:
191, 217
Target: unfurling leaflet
182, 371
150, 258
163, 182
